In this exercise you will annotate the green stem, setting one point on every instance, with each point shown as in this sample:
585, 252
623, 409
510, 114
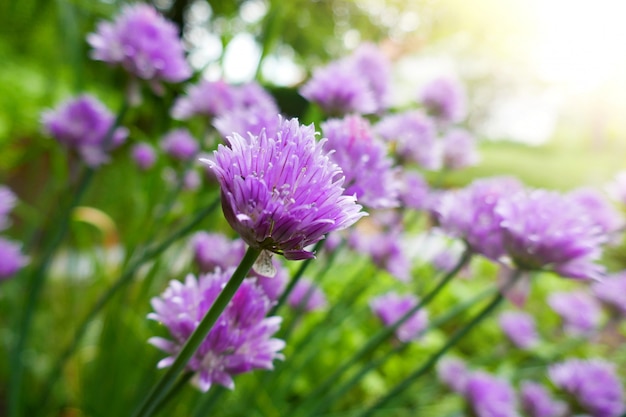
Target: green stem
209, 401
204, 327
452, 341
182, 381
124, 279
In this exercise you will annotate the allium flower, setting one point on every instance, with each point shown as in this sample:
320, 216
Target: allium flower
490, 397
143, 42
374, 66
282, 193
470, 214
612, 291
602, 213
546, 230
368, 171
207, 98
414, 190
179, 144
580, 311
593, 383
519, 327
81, 124
307, 296
444, 98
454, 373
459, 149
144, 155
537, 401
11, 258
241, 339
391, 307
414, 136
7, 203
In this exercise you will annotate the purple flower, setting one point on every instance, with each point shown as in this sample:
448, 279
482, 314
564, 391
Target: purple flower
11, 258
144, 155
8, 200
179, 144
580, 311
215, 250
273, 287
241, 339
594, 384
489, 396
602, 213
282, 193
414, 190
537, 401
368, 171
459, 149
519, 327
612, 291
306, 296
370, 63
414, 136
454, 373
391, 307
207, 98
445, 99
143, 42
546, 230
471, 214
81, 124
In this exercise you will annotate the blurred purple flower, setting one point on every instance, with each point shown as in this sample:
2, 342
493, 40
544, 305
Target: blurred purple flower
470, 214
11, 258
282, 193
143, 42
306, 296
519, 327
444, 98
215, 250
241, 339
453, 372
244, 121
8, 200
602, 213
144, 155
207, 98
179, 144
369, 172
537, 401
547, 230
459, 149
593, 383
489, 396
192, 180
612, 291
370, 63
391, 307
580, 311
414, 136
414, 190
81, 124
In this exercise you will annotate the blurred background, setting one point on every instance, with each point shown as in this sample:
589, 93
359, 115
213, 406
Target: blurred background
546, 79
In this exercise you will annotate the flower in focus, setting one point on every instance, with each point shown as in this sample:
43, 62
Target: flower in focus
8, 200
143, 42
282, 193
537, 401
11, 258
414, 136
241, 339
179, 144
547, 230
82, 125
368, 171
489, 396
144, 155
580, 311
594, 384
519, 327
453, 372
459, 149
470, 214
207, 98
444, 98
306, 296
612, 291
391, 307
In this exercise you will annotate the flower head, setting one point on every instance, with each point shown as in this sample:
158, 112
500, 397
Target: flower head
179, 144
453, 372
594, 384
207, 98
11, 258
82, 125
537, 401
368, 171
414, 190
547, 230
241, 339
144, 155
307, 296
391, 307
519, 327
459, 149
143, 42
370, 63
282, 193
580, 311
489, 396
7, 203
444, 98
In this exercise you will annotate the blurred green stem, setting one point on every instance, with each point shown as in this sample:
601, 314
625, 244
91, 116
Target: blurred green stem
161, 389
